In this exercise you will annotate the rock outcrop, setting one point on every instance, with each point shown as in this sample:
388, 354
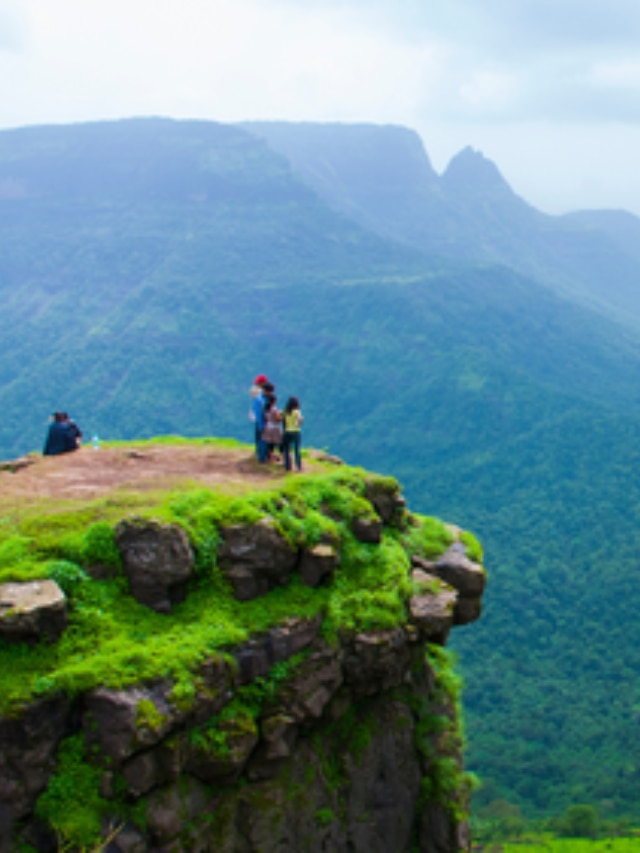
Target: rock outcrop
32, 611
255, 558
157, 560
324, 729
464, 576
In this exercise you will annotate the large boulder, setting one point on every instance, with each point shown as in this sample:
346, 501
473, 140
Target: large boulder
158, 561
32, 611
384, 494
255, 558
367, 529
318, 563
461, 573
431, 610
123, 722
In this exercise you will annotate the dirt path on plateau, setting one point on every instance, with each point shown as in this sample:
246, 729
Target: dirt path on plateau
89, 473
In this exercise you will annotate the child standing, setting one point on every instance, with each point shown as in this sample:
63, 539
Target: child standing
272, 431
292, 418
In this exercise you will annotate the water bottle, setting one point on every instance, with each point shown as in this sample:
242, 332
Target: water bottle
95, 441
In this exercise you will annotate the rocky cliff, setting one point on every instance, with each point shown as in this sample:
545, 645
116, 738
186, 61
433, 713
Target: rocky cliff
255, 666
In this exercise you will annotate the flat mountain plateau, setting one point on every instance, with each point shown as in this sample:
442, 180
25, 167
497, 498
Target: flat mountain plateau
90, 473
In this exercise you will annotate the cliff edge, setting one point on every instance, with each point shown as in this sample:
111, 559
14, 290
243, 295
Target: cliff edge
198, 653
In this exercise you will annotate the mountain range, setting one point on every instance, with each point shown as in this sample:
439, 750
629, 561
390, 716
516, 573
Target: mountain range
435, 327
385, 182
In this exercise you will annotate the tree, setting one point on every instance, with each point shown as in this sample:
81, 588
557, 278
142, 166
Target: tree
579, 821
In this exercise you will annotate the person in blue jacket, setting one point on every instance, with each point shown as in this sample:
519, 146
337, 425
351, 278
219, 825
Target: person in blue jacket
255, 392
257, 408
61, 437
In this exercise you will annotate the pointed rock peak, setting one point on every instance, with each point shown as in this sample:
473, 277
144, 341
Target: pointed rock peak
470, 172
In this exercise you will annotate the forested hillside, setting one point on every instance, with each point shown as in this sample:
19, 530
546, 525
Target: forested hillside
149, 269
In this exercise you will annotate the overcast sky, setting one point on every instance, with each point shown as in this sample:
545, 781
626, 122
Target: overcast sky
547, 89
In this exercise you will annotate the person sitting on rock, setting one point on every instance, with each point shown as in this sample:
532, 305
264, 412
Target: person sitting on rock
61, 436
76, 432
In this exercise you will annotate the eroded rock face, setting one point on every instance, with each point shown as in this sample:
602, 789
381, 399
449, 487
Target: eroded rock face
306, 784
158, 561
256, 657
32, 611
171, 809
279, 734
439, 833
376, 661
155, 767
255, 558
316, 681
215, 680
124, 722
28, 745
370, 803
224, 766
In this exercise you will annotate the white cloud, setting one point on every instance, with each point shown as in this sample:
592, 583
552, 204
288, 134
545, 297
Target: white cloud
13, 26
486, 92
223, 59
528, 24
617, 73
459, 71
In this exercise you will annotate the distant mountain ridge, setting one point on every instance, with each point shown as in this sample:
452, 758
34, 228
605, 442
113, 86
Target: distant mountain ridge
469, 212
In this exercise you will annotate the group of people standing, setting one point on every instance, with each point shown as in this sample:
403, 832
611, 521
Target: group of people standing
63, 435
277, 431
